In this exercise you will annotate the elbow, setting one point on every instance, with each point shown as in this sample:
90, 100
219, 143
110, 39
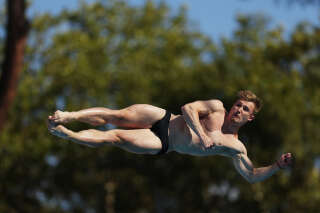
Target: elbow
251, 180
185, 108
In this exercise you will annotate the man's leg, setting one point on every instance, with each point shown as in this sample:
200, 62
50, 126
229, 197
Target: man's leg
138, 116
140, 141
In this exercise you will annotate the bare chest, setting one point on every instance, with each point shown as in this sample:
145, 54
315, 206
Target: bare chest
212, 122
225, 144
187, 142
184, 140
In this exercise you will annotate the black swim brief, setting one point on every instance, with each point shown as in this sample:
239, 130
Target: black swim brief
160, 128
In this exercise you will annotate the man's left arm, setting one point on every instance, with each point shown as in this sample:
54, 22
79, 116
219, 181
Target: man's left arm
245, 167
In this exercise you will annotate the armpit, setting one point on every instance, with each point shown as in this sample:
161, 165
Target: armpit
242, 159
227, 151
230, 145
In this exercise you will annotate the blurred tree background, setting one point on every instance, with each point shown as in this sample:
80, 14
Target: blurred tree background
113, 54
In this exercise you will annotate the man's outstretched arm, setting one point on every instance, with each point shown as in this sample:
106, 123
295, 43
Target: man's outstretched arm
245, 167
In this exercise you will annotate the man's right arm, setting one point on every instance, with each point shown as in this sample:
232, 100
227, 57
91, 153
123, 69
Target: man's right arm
193, 111
245, 167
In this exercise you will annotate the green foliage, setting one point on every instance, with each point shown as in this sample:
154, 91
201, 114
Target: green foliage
112, 54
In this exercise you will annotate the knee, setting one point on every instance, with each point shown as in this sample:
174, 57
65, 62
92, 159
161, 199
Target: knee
114, 136
127, 113
102, 138
135, 108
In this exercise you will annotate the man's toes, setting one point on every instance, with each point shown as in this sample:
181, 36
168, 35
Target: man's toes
57, 113
51, 117
51, 123
57, 131
60, 117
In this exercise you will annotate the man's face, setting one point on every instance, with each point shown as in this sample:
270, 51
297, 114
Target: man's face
241, 112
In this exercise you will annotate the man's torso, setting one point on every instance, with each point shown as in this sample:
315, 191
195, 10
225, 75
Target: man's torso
183, 139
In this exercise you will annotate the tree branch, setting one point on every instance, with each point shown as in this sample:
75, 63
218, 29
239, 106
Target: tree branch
17, 30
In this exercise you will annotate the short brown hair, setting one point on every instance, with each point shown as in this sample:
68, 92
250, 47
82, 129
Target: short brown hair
247, 95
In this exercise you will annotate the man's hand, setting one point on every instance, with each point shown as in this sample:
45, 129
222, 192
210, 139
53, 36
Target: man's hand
285, 161
207, 142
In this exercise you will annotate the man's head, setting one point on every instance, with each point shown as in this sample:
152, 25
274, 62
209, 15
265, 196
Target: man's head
245, 108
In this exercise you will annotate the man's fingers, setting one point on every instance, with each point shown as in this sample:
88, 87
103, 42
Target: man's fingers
288, 159
210, 146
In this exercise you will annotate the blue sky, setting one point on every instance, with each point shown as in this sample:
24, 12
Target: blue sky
215, 18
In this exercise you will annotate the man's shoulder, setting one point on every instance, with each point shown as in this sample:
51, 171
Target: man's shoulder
228, 145
235, 143
212, 105
216, 104
242, 147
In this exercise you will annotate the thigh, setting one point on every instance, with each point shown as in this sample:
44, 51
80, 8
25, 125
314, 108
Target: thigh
143, 115
140, 141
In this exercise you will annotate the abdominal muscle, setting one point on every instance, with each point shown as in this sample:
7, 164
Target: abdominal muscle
184, 140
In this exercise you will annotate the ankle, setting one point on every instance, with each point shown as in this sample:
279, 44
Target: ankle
73, 116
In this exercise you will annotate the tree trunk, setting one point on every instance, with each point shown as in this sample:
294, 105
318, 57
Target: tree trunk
17, 29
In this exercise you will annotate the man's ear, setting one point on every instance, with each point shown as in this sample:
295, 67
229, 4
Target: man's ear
251, 117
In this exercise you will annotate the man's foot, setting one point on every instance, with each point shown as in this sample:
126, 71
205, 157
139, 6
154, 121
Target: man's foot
60, 117
58, 130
